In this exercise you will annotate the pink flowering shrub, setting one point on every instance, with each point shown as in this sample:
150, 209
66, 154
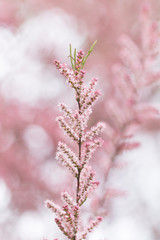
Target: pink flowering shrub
126, 111
74, 123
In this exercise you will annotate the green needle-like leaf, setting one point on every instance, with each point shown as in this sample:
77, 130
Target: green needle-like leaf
71, 58
89, 52
75, 56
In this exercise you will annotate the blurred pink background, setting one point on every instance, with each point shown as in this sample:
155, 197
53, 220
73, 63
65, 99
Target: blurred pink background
32, 34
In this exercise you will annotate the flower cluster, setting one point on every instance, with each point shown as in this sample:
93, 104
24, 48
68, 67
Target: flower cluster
74, 123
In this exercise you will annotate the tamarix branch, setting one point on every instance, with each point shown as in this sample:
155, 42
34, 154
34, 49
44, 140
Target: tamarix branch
74, 123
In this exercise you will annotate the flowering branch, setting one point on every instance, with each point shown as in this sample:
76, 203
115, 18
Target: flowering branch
74, 123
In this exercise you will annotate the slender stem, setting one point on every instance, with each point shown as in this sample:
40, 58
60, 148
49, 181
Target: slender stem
79, 170
80, 146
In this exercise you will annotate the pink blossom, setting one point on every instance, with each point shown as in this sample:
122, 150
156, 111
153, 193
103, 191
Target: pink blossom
74, 123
